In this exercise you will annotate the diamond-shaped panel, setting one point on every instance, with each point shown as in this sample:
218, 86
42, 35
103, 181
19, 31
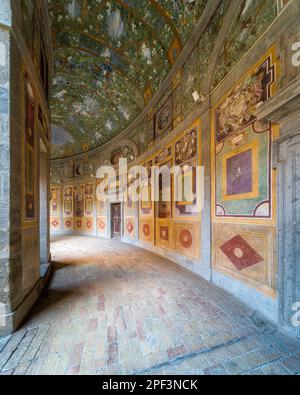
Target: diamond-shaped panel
240, 253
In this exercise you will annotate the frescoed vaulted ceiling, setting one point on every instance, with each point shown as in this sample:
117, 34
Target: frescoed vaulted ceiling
108, 54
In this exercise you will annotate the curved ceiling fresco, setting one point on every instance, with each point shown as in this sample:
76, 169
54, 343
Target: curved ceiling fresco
110, 58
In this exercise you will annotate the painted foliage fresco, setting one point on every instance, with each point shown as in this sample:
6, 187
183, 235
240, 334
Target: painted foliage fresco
200, 73
243, 181
251, 21
197, 74
110, 56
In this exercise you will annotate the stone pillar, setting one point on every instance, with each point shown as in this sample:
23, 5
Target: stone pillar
5, 251
20, 279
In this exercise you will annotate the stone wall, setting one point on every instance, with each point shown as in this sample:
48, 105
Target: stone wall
25, 123
238, 117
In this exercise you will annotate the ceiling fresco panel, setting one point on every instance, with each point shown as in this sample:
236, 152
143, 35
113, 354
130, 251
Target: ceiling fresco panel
107, 54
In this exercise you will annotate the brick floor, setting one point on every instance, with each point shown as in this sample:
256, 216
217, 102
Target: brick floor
115, 309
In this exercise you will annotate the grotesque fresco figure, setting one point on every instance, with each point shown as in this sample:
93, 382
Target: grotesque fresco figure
79, 200
186, 148
238, 109
54, 200
164, 117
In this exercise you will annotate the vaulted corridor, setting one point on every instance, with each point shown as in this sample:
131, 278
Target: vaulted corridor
149, 187
113, 308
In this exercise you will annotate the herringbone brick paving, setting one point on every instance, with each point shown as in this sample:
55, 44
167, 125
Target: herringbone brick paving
112, 308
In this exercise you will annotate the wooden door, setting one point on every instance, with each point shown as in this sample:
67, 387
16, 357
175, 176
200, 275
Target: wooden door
116, 221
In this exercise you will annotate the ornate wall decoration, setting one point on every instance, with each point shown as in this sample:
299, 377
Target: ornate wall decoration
55, 224
55, 216
246, 253
89, 207
164, 155
101, 207
146, 206
187, 239
240, 173
186, 147
30, 155
164, 204
243, 146
237, 110
55, 201
146, 230
240, 253
101, 225
187, 153
130, 227
79, 225
187, 206
78, 208
89, 225
174, 51
68, 201
101, 204
125, 148
89, 199
116, 156
164, 118
68, 224
79, 201
244, 212
130, 207
79, 169
164, 233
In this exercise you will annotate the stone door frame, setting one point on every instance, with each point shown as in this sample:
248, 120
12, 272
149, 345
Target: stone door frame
286, 154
